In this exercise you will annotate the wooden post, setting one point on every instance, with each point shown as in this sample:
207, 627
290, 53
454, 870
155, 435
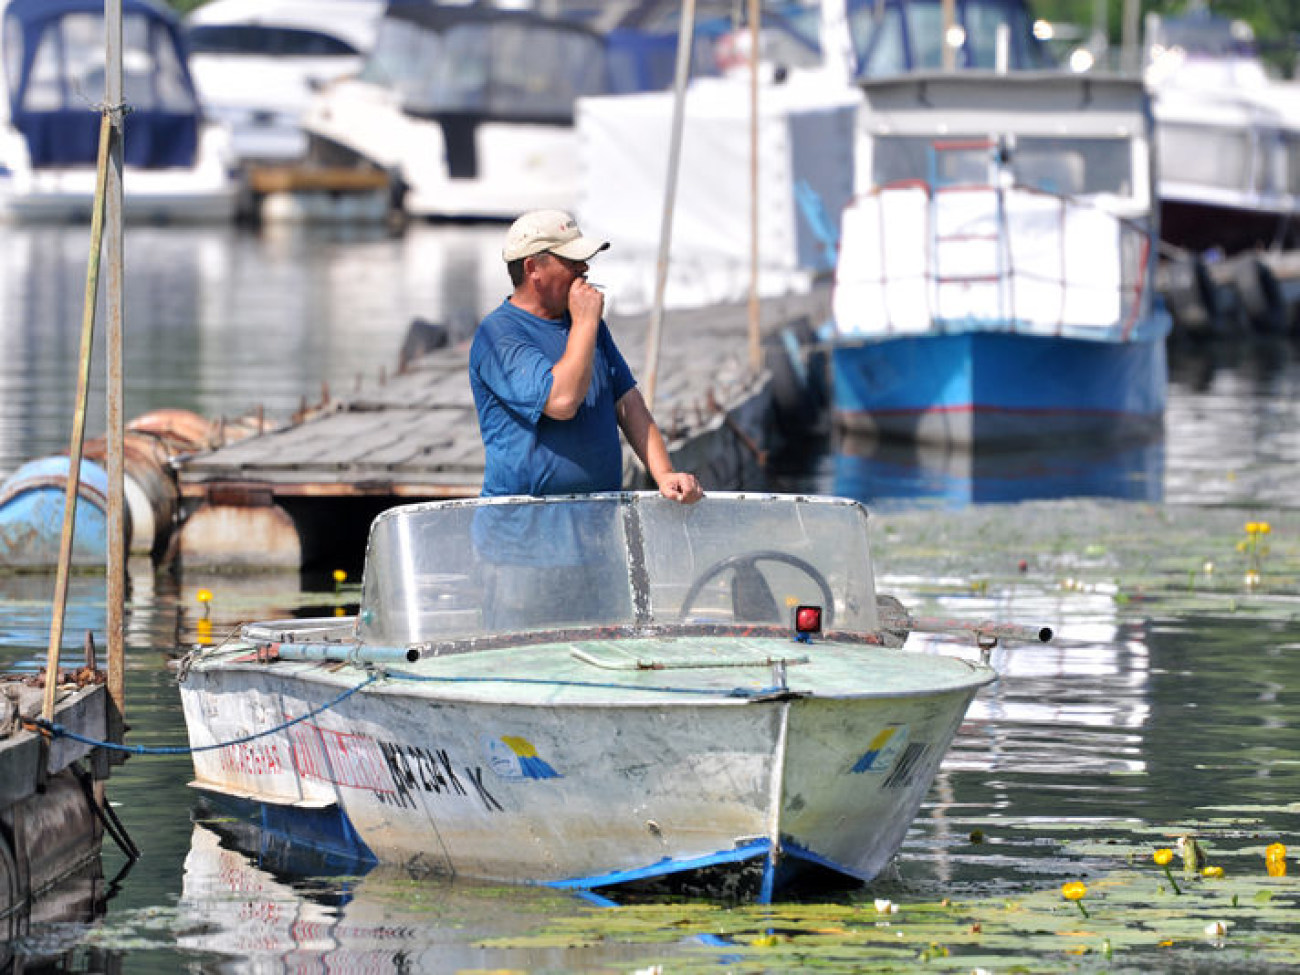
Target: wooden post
60, 606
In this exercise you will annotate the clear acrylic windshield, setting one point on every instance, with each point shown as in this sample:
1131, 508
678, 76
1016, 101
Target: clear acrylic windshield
450, 571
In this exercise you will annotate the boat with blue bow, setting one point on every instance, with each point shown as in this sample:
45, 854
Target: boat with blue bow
996, 275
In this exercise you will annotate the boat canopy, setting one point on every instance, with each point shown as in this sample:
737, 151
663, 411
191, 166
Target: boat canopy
485, 63
455, 571
54, 70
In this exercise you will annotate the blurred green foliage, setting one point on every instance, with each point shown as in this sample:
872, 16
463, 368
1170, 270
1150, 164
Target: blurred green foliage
1276, 22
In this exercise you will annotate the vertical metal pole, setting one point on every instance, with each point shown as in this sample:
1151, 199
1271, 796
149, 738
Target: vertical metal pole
116, 572
685, 36
948, 52
755, 348
1129, 44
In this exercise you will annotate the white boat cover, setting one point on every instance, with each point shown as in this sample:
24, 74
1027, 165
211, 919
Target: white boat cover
966, 257
805, 141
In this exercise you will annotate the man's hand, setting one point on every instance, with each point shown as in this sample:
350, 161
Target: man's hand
680, 487
586, 301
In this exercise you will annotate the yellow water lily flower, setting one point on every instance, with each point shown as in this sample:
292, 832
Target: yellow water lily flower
340, 576
1163, 857
1075, 891
1212, 872
204, 595
1275, 860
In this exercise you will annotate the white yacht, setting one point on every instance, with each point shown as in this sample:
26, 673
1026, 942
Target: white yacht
177, 165
1228, 136
469, 109
257, 64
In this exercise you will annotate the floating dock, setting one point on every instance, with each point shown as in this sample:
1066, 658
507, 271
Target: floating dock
304, 494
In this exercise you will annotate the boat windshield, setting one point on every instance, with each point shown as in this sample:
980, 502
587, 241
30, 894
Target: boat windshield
1062, 165
895, 37
447, 572
510, 69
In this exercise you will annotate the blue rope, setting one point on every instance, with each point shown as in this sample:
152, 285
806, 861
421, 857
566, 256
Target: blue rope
59, 731
734, 692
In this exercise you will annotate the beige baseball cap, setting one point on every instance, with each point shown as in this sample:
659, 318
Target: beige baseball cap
549, 230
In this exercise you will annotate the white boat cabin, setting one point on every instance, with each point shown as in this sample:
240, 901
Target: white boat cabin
1006, 202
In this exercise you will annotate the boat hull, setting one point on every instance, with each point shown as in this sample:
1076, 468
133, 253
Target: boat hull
580, 797
997, 388
1201, 224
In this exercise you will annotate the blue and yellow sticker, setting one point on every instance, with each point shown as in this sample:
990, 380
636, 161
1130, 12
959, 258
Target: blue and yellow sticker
883, 750
515, 757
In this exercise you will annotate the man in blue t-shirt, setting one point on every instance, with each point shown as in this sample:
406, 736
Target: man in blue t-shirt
551, 388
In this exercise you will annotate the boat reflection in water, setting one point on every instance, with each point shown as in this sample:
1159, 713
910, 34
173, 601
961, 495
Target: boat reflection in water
876, 471
275, 905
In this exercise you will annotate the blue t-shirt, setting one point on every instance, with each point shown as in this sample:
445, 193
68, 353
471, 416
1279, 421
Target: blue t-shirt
528, 452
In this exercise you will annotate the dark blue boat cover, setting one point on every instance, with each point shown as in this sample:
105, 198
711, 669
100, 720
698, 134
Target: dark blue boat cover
56, 82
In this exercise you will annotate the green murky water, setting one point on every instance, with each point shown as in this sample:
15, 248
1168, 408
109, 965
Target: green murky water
1165, 708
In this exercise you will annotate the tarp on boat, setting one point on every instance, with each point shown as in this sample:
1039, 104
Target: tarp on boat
805, 141
54, 65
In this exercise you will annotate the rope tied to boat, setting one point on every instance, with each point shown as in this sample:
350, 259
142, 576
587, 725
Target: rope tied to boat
56, 730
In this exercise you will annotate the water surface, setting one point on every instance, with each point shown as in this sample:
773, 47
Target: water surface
1166, 706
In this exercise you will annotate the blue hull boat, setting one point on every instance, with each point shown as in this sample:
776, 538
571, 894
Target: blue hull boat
995, 278
1001, 388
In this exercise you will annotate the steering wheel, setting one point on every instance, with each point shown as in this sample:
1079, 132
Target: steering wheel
745, 565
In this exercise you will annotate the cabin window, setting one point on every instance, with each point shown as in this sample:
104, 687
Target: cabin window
882, 41
44, 91
510, 70
909, 36
68, 67
1074, 167
1192, 155
401, 54
1291, 147
1069, 167
255, 39
171, 92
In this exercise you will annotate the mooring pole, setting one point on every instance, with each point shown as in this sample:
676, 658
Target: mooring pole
685, 36
117, 541
755, 345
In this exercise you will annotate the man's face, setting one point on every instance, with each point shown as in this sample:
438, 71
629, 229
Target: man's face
553, 276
